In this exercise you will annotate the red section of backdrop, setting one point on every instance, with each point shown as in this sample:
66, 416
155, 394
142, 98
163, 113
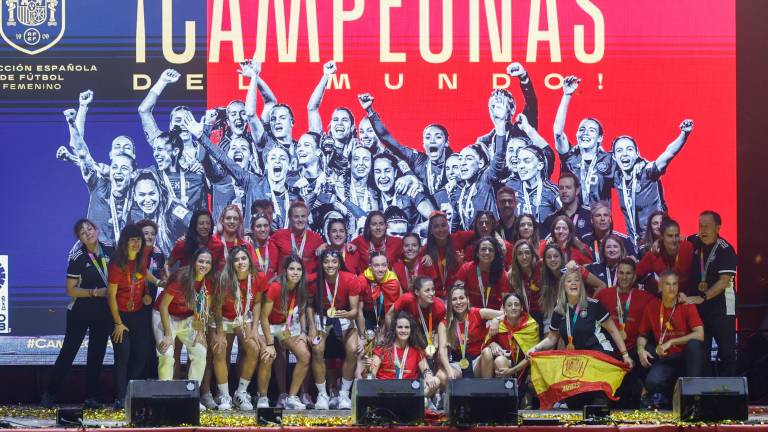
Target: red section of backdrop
663, 62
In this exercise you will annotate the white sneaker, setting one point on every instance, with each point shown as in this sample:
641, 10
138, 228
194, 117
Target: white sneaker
243, 400
202, 408
322, 401
293, 403
281, 400
207, 401
263, 402
225, 403
345, 402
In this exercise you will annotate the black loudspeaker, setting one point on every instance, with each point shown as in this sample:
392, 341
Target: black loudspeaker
162, 403
69, 417
482, 401
269, 416
711, 399
387, 402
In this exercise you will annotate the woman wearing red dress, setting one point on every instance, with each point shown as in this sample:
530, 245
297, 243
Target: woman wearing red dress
182, 311
375, 239
230, 231
441, 253
401, 356
283, 318
564, 235
330, 318
409, 265
672, 254
199, 234
483, 277
464, 330
266, 256
127, 295
237, 308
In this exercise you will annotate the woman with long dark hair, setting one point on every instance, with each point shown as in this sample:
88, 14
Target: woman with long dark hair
237, 309
525, 278
441, 253
150, 202
266, 256
87, 312
485, 224
483, 277
375, 239
526, 227
563, 234
652, 232
336, 234
330, 318
182, 311
283, 318
408, 266
517, 333
401, 355
199, 234
671, 254
127, 294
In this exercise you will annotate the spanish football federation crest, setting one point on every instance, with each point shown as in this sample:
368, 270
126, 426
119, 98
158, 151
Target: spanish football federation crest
32, 26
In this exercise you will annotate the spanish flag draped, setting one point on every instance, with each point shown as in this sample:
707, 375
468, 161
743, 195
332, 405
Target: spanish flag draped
525, 333
389, 286
560, 374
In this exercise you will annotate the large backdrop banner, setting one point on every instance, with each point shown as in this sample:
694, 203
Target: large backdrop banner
132, 109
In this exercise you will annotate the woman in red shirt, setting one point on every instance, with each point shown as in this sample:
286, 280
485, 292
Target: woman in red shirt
283, 317
401, 356
525, 278
127, 294
379, 290
526, 228
297, 239
409, 265
199, 233
330, 317
672, 254
336, 234
518, 333
485, 224
564, 235
182, 311
266, 256
230, 231
441, 253
237, 307
461, 337
483, 277
375, 239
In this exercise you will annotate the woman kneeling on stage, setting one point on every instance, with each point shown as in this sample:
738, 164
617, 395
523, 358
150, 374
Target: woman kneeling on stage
283, 317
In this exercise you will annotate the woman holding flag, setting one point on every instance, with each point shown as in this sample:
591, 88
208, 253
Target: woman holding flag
580, 321
401, 356
282, 317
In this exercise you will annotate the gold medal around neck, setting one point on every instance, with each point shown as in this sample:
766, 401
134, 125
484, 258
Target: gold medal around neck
570, 347
331, 312
623, 332
703, 286
197, 325
659, 351
431, 350
130, 305
464, 363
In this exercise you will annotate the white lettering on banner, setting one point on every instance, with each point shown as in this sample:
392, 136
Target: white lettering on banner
5, 324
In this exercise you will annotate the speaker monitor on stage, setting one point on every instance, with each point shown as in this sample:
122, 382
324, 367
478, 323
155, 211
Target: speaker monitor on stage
162, 403
711, 399
482, 401
387, 402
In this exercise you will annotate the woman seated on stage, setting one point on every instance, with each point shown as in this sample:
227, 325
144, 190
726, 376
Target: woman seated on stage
330, 318
182, 311
283, 318
483, 277
401, 356
408, 266
464, 330
579, 320
237, 307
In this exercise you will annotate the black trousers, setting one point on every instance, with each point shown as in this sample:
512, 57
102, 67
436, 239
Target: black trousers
632, 386
132, 353
89, 315
664, 372
721, 328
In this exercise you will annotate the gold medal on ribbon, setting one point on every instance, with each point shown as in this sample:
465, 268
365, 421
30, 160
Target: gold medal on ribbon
431, 350
331, 312
703, 286
570, 347
622, 332
464, 363
197, 325
130, 305
659, 351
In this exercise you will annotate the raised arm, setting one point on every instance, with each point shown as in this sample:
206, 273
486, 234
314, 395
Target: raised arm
385, 137
269, 99
241, 176
531, 109
686, 127
251, 69
85, 99
151, 131
79, 147
570, 84
313, 106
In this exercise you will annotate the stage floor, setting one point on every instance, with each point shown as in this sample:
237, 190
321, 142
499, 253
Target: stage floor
35, 417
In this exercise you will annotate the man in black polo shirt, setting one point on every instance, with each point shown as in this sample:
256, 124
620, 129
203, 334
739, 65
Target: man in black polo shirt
712, 288
570, 191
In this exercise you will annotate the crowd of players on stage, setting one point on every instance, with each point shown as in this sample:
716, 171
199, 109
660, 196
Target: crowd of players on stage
346, 255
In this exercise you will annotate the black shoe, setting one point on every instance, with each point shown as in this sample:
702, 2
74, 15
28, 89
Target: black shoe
91, 403
646, 401
119, 404
47, 400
